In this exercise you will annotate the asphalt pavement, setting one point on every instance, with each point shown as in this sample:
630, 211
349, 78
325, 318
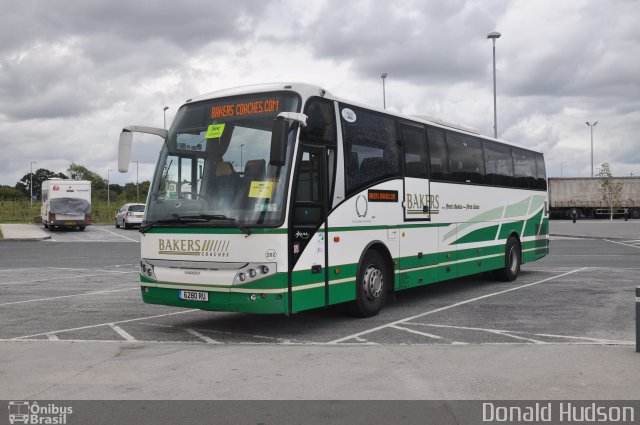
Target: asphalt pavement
74, 327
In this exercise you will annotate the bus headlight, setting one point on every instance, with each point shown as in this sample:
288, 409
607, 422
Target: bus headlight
252, 271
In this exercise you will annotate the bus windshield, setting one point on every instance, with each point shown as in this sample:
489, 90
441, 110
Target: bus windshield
214, 167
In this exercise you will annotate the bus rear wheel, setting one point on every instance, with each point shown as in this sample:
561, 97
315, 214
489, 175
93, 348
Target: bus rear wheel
512, 261
371, 285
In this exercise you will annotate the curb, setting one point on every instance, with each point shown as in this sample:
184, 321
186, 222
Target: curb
25, 239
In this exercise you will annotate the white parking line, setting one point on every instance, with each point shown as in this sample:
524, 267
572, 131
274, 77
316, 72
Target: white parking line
105, 324
621, 243
69, 296
117, 234
416, 332
202, 337
493, 331
596, 340
124, 334
437, 310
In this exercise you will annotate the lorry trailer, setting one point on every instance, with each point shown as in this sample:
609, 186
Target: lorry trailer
581, 197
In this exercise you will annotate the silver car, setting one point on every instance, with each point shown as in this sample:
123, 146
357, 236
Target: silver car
130, 215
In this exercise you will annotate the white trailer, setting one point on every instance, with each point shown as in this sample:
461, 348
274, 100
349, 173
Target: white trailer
581, 196
66, 204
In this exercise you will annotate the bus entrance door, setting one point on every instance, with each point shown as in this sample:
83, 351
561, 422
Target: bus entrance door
308, 277
418, 237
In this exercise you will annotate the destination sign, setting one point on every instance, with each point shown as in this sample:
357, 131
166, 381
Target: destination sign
256, 107
382, 196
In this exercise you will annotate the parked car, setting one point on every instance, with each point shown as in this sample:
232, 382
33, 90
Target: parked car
130, 215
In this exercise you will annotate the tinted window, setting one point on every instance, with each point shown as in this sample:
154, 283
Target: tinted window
437, 153
136, 208
415, 151
541, 182
320, 122
498, 164
466, 161
524, 168
371, 149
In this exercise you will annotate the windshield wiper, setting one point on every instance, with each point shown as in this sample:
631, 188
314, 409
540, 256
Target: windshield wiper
176, 219
204, 218
209, 217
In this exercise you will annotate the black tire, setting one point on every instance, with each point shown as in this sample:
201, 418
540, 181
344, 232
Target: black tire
81, 228
125, 225
46, 225
635, 213
117, 225
372, 285
512, 261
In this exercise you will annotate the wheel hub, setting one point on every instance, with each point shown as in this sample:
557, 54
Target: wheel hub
373, 282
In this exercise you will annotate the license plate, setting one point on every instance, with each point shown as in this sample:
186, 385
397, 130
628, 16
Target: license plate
194, 295
70, 223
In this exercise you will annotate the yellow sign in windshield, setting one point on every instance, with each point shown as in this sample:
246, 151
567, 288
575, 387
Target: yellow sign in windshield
260, 189
214, 131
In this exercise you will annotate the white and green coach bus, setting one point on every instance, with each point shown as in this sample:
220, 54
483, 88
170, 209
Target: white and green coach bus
281, 198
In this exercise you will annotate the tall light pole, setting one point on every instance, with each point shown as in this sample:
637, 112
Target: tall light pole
31, 183
137, 190
493, 35
164, 114
241, 148
384, 97
591, 126
561, 164
108, 197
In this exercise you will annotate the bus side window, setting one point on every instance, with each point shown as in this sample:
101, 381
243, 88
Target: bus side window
372, 153
415, 152
437, 154
541, 181
524, 168
466, 160
498, 164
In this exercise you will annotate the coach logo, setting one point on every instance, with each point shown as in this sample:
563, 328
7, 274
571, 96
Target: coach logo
362, 206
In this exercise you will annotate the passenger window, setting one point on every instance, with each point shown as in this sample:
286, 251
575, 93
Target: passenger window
415, 152
437, 154
466, 161
372, 153
541, 182
524, 168
498, 164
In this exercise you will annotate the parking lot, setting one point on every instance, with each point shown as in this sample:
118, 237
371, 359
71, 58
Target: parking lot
82, 288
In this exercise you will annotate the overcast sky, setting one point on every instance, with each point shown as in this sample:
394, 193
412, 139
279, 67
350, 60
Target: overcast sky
73, 73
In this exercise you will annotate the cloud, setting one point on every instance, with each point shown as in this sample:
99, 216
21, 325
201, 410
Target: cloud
72, 74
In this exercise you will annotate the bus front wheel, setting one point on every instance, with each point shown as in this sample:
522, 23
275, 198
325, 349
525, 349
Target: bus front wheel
371, 285
512, 261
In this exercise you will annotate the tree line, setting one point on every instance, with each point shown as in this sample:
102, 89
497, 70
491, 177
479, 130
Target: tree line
116, 192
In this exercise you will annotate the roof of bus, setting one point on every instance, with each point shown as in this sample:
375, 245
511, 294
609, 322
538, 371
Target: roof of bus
309, 90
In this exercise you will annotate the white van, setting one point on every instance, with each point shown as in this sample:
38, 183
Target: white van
66, 204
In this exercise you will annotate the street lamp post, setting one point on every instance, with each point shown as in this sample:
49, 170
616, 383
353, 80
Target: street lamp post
137, 189
561, 164
384, 97
108, 197
164, 115
493, 35
591, 126
31, 183
241, 148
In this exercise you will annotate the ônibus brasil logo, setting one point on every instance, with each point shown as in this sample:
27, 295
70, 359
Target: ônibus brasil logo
25, 412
